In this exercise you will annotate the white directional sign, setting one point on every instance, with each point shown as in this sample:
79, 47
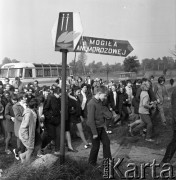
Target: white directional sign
69, 31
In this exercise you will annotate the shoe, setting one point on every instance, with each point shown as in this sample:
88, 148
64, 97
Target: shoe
150, 140
57, 153
144, 131
16, 155
109, 132
40, 155
72, 150
87, 146
7, 151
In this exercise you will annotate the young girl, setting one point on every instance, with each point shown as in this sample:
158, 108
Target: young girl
75, 113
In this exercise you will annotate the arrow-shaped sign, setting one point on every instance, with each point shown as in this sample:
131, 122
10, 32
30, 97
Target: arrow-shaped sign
104, 46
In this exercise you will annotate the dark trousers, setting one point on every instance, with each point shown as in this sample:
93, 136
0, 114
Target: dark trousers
171, 148
124, 117
109, 122
103, 137
52, 132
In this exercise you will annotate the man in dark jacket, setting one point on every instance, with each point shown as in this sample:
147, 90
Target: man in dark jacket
52, 115
171, 148
113, 99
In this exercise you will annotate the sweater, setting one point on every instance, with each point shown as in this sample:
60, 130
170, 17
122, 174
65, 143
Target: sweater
95, 117
144, 100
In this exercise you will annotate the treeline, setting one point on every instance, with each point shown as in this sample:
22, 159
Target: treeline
7, 60
130, 64
159, 64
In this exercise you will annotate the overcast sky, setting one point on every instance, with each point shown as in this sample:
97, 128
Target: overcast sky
25, 27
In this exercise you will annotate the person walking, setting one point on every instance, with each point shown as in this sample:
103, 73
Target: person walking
160, 92
18, 110
10, 118
75, 113
171, 148
144, 107
51, 111
28, 129
96, 122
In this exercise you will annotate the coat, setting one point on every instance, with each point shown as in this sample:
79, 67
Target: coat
136, 101
122, 102
51, 110
28, 128
8, 114
160, 91
74, 110
18, 112
111, 102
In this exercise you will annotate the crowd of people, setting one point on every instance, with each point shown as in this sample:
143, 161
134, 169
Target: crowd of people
33, 113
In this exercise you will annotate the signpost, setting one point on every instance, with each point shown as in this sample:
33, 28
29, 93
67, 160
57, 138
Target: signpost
104, 46
68, 33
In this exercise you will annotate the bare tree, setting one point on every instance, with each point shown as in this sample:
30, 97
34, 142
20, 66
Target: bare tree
82, 57
173, 52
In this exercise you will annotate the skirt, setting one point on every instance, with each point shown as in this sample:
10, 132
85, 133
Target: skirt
9, 126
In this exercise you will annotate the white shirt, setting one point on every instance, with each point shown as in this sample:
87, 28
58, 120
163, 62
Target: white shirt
129, 91
115, 97
84, 100
89, 81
